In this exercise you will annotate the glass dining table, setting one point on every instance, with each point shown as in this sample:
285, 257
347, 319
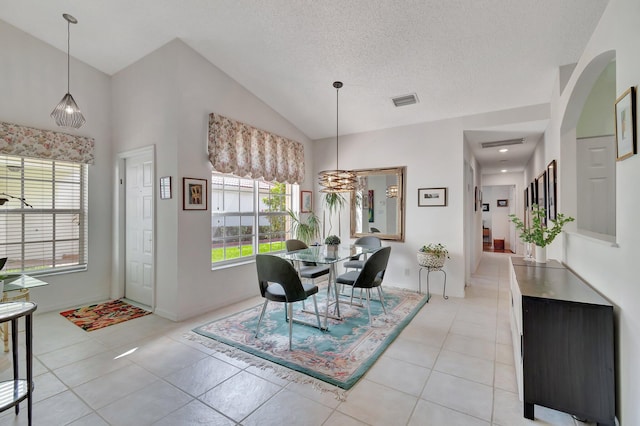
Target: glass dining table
328, 255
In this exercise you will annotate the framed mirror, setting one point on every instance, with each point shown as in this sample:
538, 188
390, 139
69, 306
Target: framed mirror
377, 206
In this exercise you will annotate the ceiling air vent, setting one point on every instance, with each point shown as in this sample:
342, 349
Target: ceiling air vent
405, 100
503, 143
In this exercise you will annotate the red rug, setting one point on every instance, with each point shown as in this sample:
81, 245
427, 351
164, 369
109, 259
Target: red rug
101, 315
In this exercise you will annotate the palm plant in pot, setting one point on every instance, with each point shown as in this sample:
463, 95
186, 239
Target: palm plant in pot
432, 255
538, 233
305, 229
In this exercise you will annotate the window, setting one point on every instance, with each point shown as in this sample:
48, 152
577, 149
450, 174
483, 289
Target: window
248, 217
43, 219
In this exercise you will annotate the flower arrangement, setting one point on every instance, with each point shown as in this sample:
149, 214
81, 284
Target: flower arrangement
538, 233
332, 240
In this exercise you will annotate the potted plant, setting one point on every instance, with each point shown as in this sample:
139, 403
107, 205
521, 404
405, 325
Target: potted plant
305, 229
538, 233
332, 242
433, 255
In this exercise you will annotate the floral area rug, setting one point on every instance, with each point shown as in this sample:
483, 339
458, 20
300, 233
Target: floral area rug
340, 356
101, 315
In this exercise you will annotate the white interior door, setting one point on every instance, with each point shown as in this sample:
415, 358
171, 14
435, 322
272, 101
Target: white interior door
139, 232
596, 184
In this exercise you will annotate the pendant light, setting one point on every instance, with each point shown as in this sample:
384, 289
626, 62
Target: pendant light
334, 181
67, 113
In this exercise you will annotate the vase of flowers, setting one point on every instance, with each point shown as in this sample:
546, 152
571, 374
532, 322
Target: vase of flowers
538, 233
432, 255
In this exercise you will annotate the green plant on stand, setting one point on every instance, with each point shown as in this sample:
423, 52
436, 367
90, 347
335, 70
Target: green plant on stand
432, 255
538, 233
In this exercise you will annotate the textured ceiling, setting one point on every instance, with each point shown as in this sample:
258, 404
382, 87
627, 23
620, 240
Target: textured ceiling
460, 57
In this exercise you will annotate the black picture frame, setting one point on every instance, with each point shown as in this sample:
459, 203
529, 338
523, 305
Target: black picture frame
552, 188
432, 197
485, 207
625, 123
502, 203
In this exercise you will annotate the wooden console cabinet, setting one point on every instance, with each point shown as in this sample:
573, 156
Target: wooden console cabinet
563, 341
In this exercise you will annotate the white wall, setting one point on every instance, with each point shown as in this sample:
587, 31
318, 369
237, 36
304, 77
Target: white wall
434, 155
508, 180
610, 269
33, 79
165, 99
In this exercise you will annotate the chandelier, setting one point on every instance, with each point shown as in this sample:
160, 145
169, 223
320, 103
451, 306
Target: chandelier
67, 113
334, 181
392, 191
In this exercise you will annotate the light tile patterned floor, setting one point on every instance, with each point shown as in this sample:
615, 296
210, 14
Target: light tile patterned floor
453, 365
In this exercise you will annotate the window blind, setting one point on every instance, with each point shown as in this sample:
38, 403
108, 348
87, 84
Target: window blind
43, 222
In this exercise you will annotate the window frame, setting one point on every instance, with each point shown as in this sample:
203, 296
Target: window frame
258, 193
54, 244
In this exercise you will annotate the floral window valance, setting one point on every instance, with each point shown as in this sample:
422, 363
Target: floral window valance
35, 143
245, 151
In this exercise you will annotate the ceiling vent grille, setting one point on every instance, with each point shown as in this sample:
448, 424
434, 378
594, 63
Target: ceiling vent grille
502, 143
405, 100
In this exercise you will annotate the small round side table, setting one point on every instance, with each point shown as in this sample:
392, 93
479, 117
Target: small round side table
429, 270
13, 392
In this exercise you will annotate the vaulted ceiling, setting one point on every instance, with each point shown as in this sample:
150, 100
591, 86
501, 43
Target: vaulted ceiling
460, 57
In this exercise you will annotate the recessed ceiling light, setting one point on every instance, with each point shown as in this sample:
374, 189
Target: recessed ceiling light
504, 170
503, 150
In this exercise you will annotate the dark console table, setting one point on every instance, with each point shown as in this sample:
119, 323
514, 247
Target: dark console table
563, 338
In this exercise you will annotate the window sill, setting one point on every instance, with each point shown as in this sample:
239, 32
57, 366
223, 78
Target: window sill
243, 262
606, 240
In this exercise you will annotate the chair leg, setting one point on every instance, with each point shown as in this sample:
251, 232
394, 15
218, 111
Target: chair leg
315, 304
368, 294
381, 299
290, 309
264, 307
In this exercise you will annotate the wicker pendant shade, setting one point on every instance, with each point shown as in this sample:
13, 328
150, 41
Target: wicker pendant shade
67, 113
334, 181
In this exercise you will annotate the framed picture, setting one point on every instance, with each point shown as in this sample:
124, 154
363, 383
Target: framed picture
432, 197
502, 203
165, 187
541, 192
526, 208
485, 207
552, 173
194, 194
306, 201
370, 198
532, 194
475, 200
626, 124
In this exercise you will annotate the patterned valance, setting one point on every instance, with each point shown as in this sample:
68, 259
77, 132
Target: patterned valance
35, 143
245, 151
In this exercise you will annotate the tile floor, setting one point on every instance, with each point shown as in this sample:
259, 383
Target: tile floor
453, 365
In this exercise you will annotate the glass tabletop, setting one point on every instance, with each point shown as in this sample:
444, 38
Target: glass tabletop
325, 255
17, 282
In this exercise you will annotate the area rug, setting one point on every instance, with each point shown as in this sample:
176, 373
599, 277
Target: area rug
340, 356
102, 315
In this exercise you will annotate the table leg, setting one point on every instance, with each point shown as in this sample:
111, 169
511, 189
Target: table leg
29, 344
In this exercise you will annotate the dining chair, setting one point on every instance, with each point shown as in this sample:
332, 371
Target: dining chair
308, 270
279, 282
369, 242
369, 277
